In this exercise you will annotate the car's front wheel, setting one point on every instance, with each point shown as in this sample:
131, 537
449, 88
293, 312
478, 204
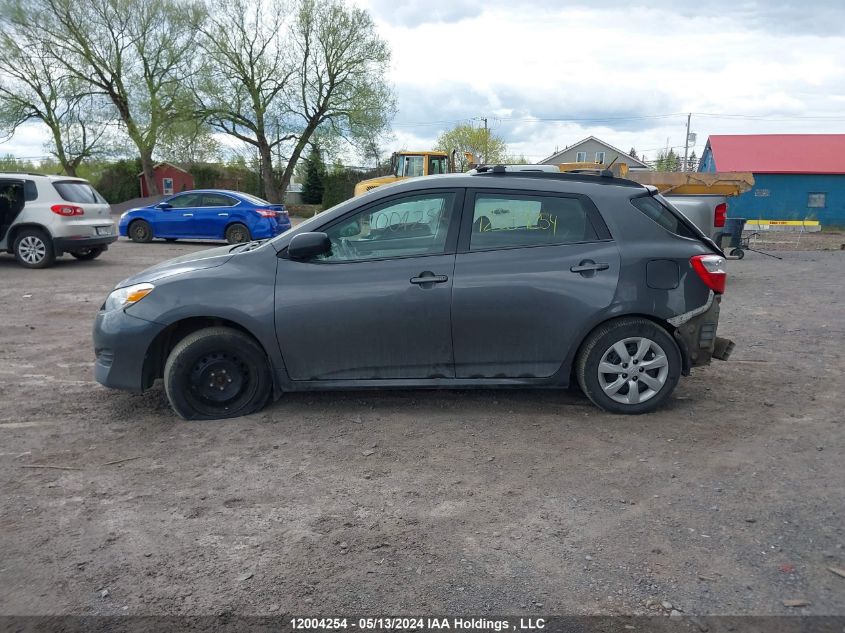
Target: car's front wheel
140, 231
629, 365
33, 248
216, 373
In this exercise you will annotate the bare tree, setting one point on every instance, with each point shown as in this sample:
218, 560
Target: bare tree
137, 53
34, 87
340, 85
241, 89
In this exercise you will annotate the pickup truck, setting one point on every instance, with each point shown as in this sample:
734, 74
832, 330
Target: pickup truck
708, 213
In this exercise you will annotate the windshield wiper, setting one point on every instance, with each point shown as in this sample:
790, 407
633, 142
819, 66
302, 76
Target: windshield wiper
247, 246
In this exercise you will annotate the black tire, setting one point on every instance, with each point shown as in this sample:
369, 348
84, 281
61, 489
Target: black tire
88, 253
140, 231
217, 358
237, 233
33, 248
738, 253
629, 331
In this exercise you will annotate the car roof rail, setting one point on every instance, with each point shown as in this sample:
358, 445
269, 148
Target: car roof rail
597, 176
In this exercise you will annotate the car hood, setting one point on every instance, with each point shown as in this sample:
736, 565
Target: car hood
186, 263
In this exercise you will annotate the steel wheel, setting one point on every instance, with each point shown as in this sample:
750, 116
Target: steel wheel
633, 370
32, 250
219, 378
140, 231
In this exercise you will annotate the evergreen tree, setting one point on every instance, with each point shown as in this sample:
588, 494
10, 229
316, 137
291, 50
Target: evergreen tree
315, 173
633, 153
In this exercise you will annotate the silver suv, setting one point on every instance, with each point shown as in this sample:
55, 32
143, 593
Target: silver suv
43, 217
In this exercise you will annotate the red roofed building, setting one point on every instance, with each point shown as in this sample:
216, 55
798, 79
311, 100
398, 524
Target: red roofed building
169, 178
797, 176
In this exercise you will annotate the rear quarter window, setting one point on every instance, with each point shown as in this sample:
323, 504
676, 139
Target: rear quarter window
663, 216
30, 190
81, 192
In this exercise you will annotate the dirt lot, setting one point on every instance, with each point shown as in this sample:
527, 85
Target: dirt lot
729, 501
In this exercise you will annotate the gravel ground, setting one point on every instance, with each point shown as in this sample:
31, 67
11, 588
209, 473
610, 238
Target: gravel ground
728, 501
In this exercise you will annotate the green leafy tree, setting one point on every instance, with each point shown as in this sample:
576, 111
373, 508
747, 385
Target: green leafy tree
119, 181
34, 87
138, 54
315, 173
340, 87
667, 161
480, 142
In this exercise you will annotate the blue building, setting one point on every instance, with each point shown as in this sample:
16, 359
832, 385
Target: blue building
797, 176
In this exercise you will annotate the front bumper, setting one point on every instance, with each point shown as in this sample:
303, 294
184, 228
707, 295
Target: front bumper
121, 342
698, 341
68, 244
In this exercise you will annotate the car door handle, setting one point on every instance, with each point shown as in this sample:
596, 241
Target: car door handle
429, 277
225, 215
187, 215
588, 266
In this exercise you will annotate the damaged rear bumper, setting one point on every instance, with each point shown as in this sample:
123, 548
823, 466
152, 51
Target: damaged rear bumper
695, 334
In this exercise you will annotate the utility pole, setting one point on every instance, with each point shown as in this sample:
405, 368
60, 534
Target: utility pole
686, 144
486, 137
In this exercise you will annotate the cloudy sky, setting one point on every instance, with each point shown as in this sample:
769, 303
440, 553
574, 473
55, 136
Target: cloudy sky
548, 73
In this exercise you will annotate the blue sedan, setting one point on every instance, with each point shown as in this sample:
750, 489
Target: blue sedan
206, 214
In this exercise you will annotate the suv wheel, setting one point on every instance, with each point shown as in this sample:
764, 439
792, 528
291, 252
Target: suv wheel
140, 231
629, 366
88, 253
237, 233
34, 249
217, 373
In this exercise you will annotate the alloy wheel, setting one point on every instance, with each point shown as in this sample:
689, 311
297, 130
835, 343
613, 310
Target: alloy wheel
32, 249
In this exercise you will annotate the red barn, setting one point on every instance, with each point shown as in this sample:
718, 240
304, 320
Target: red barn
169, 178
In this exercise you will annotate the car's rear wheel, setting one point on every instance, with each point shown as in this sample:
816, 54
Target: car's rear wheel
140, 231
630, 365
237, 233
216, 373
88, 253
33, 248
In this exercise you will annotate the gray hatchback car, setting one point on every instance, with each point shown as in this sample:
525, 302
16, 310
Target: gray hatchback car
489, 279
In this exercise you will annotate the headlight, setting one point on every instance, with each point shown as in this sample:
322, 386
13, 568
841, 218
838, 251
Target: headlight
125, 297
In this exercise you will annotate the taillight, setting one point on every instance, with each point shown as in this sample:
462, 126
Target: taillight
720, 214
67, 210
711, 269
266, 213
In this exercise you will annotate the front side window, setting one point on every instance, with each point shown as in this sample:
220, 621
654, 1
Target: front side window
185, 201
817, 200
516, 220
80, 192
407, 227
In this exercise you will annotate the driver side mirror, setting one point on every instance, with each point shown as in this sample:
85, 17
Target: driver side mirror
164, 206
308, 245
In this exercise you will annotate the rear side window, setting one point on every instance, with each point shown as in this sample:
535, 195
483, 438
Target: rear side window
663, 216
217, 200
517, 220
81, 192
30, 190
